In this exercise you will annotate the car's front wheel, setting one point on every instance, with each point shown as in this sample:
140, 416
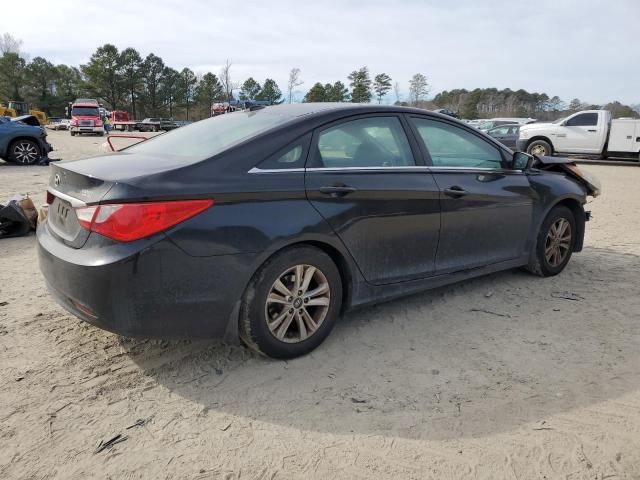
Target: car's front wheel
24, 152
555, 242
292, 303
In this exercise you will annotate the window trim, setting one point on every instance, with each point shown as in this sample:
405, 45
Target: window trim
504, 165
313, 163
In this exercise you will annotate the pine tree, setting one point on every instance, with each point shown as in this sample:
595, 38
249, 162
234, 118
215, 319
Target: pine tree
381, 85
360, 86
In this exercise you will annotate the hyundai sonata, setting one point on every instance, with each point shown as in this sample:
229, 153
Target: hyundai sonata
265, 225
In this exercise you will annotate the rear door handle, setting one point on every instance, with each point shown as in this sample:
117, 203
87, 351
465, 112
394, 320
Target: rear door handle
455, 192
337, 190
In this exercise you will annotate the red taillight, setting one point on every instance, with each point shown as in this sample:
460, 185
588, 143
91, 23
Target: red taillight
50, 198
126, 222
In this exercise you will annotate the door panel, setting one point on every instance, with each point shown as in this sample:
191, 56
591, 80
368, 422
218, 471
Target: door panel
363, 179
486, 209
581, 133
489, 224
389, 223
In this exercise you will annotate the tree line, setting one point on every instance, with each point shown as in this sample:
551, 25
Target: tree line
147, 87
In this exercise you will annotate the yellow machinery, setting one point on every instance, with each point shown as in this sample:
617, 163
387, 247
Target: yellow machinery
22, 108
7, 112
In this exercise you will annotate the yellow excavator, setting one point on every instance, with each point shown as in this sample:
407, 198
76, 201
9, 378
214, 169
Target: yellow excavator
17, 109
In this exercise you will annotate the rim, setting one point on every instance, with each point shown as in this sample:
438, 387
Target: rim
298, 303
558, 242
539, 150
25, 152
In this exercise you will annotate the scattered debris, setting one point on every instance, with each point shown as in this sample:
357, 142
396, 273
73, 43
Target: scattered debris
357, 400
481, 310
141, 422
19, 378
225, 427
489, 294
3, 304
110, 443
567, 296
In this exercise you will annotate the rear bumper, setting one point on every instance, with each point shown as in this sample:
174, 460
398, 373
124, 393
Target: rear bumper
149, 288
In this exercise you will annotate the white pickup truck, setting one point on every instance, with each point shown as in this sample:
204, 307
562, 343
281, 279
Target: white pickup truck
590, 132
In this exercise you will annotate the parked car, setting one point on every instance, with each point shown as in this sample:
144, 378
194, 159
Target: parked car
22, 140
266, 225
590, 132
496, 122
57, 123
444, 111
156, 124
505, 134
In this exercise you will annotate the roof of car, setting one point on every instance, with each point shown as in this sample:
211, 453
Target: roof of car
294, 110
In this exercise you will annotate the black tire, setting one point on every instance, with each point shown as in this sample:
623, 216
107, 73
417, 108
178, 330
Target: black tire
72, 133
254, 330
24, 152
540, 148
539, 264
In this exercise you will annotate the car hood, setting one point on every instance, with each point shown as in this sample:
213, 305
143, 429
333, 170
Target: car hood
569, 167
536, 126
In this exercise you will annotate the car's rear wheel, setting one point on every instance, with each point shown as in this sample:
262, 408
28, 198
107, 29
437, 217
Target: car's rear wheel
539, 148
24, 152
555, 243
292, 303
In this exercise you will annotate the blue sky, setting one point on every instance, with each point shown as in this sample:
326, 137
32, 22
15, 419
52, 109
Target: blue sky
569, 48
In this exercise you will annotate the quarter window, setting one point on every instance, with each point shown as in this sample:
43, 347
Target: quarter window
292, 156
451, 146
583, 120
366, 142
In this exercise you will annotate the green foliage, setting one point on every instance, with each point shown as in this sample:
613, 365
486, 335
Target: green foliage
103, 75
187, 82
337, 92
131, 64
317, 93
209, 90
618, 110
381, 85
250, 89
270, 92
360, 86
12, 69
152, 76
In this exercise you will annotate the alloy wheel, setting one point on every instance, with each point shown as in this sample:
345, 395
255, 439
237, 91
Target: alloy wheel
297, 303
558, 242
25, 152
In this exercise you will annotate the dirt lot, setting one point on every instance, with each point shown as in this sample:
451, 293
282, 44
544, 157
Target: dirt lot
507, 376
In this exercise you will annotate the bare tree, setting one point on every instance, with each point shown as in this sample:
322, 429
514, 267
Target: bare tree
294, 81
396, 91
225, 79
418, 89
9, 44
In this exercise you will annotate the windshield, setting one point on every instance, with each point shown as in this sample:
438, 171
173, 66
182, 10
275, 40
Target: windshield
560, 120
85, 111
208, 137
485, 125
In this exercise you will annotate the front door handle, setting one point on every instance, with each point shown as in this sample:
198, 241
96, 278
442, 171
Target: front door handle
592, 130
455, 192
337, 190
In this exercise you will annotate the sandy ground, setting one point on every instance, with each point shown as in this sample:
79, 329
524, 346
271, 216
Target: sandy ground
507, 376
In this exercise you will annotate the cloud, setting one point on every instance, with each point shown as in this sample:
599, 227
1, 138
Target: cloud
568, 48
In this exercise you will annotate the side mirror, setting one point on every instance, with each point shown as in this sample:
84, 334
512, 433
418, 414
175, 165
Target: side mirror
521, 161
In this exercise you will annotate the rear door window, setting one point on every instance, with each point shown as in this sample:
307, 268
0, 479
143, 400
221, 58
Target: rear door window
365, 142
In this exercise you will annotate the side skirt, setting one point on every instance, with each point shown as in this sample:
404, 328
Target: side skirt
365, 294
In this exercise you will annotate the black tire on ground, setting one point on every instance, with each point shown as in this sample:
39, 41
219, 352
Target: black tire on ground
254, 330
72, 133
24, 152
540, 148
539, 264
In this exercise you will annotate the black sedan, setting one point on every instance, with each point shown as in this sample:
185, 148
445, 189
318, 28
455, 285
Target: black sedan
266, 225
506, 134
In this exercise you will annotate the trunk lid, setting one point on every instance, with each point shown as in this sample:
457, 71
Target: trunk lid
132, 177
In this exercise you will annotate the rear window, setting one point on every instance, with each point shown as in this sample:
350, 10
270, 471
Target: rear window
209, 137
